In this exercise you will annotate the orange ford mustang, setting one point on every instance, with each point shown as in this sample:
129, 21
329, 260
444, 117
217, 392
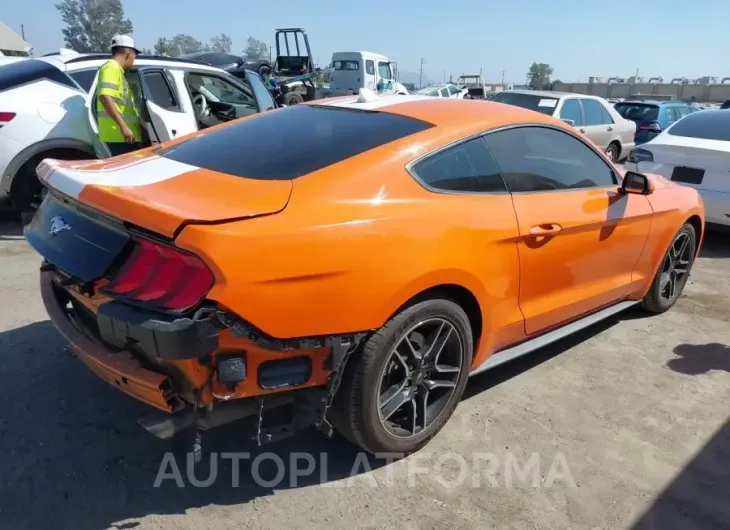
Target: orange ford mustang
349, 262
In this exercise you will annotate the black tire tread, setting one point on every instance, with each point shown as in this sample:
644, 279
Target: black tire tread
347, 418
652, 302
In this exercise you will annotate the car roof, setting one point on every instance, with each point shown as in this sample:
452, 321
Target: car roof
73, 60
549, 93
651, 102
463, 114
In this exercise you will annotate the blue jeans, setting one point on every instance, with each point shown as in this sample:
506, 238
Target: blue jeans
117, 149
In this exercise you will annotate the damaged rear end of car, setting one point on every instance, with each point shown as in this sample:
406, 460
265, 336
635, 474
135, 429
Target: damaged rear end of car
135, 309
146, 315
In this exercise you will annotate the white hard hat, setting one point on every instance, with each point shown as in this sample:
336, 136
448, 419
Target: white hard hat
125, 41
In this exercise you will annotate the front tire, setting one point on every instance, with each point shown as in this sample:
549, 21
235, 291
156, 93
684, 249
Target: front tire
673, 272
404, 383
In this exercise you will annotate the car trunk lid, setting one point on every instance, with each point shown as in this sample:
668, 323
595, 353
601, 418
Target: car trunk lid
162, 195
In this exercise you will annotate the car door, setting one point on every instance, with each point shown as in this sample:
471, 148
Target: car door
579, 237
100, 148
669, 116
262, 94
468, 178
596, 127
161, 101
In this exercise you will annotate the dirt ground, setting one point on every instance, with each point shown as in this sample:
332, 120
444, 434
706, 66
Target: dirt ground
623, 426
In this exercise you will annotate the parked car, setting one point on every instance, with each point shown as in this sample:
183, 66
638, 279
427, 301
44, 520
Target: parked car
652, 117
233, 64
444, 90
694, 151
591, 115
215, 283
47, 110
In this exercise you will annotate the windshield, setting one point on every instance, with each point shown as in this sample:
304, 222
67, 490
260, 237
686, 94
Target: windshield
471, 82
704, 125
544, 105
637, 111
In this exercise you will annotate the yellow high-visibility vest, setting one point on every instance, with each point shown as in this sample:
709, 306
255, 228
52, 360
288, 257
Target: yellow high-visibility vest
113, 83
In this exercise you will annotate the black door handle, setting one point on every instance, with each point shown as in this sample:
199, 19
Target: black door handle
174, 132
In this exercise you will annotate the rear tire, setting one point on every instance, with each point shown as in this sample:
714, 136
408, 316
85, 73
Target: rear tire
377, 379
673, 273
27, 191
612, 152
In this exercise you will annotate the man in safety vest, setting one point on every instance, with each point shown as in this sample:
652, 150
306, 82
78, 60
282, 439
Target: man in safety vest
120, 126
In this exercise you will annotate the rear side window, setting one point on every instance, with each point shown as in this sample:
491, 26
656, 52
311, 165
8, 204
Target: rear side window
705, 125
466, 167
288, 143
638, 111
19, 73
593, 112
85, 78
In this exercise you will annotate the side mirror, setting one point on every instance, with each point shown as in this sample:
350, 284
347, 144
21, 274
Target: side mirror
569, 122
636, 183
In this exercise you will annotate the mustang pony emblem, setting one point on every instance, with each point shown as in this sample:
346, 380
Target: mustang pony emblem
58, 225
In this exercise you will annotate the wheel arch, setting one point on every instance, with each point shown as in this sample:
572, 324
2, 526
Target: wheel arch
38, 148
696, 222
619, 148
460, 288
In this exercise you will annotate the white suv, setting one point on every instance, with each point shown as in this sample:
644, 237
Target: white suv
47, 110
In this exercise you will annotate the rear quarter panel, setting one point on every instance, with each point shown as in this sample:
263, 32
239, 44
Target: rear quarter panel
357, 241
673, 206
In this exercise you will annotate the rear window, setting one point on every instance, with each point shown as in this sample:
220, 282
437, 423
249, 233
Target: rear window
705, 125
544, 105
291, 142
26, 71
346, 65
638, 111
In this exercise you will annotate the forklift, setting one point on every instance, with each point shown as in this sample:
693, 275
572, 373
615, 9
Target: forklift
294, 73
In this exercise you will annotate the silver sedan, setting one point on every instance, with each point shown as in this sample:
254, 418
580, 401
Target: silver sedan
591, 115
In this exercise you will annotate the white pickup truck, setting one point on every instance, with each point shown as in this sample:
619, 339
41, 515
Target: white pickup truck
351, 71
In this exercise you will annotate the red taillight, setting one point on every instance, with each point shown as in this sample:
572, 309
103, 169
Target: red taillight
650, 127
162, 276
6, 117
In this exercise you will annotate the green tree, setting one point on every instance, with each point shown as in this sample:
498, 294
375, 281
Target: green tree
221, 43
538, 77
178, 45
255, 49
91, 24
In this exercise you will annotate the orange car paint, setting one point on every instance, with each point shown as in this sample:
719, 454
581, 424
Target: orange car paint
355, 241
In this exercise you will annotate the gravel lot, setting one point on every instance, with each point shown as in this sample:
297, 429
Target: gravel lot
628, 421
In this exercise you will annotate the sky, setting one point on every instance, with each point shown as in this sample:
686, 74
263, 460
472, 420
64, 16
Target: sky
577, 38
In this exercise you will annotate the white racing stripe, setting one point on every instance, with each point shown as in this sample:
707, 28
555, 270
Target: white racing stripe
137, 173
